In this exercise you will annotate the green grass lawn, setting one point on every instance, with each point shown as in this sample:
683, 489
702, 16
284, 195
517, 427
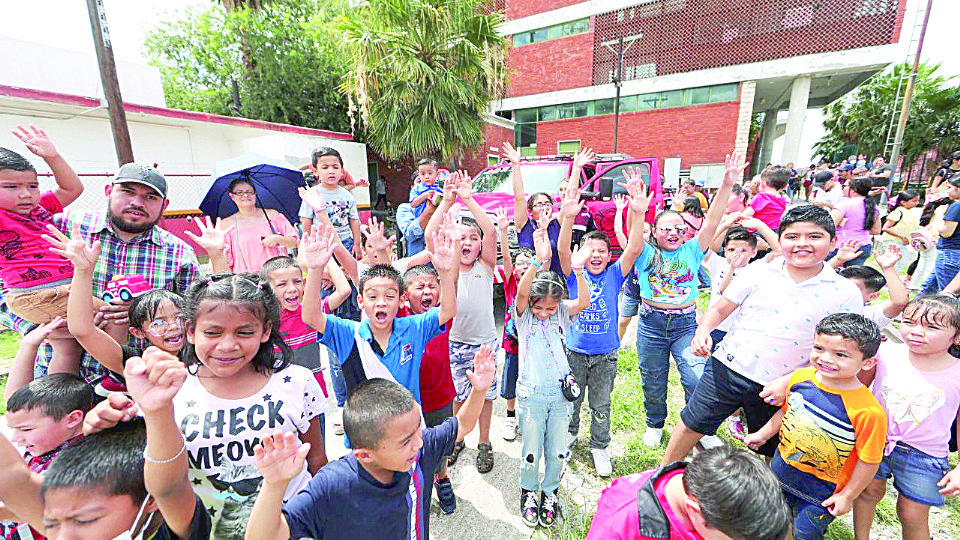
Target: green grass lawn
9, 343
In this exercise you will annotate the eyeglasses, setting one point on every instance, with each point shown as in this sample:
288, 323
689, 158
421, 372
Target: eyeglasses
158, 327
680, 229
243, 193
543, 204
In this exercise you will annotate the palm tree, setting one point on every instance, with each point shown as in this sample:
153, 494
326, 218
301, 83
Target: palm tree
421, 73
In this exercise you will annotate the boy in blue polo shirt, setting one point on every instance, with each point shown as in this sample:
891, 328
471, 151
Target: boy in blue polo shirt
593, 339
380, 346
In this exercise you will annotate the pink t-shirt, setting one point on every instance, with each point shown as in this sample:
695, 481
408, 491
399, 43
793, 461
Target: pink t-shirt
27, 259
303, 341
616, 517
851, 226
920, 405
244, 251
769, 208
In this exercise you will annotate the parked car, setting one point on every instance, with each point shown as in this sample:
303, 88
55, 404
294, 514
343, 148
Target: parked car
599, 180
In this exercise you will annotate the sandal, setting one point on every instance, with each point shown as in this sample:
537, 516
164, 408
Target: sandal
484, 458
452, 458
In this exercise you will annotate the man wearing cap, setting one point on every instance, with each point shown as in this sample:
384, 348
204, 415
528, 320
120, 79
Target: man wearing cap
827, 191
131, 243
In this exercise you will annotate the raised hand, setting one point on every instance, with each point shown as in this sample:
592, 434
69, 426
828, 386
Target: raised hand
511, 153
639, 195
748, 222
620, 201
317, 247
363, 182
734, 168
503, 220
484, 369
848, 250
450, 188
541, 245
582, 158
36, 140
579, 257
890, 257
314, 198
738, 260
211, 237
571, 204
280, 457
464, 186
444, 254
83, 256
376, 237
108, 413
154, 379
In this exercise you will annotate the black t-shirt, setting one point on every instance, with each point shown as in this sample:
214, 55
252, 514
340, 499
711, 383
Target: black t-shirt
200, 526
881, 182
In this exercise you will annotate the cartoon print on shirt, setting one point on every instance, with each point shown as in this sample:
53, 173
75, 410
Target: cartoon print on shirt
673, 283
804, 440
911, 398
594, 319
339, 212
10, 245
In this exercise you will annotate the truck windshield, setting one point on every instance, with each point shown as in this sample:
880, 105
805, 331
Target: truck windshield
536, 177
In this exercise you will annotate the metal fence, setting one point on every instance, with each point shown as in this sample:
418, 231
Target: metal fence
675, 36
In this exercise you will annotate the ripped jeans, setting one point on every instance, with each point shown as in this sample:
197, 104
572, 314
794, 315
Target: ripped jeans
543, 414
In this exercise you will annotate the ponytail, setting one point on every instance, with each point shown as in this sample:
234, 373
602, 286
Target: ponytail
862, 186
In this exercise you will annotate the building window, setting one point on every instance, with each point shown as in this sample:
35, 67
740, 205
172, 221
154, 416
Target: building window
641, 102
568, 147
492, 159
528, 151
557, 31
724, 92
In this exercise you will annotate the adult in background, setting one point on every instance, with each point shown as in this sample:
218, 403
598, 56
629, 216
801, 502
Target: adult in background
131, 244
688, 189
938, 184
254, 234
411, 226
856, 218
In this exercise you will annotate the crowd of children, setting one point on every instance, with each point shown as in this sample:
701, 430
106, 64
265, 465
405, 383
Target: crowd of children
213, 393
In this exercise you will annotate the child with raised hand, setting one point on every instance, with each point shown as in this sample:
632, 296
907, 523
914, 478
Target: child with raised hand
45, 416
832, 430
630, 300
238, 389
154, 315
378, 490
474, 325
541, 316
920, 392
667, 271
592, 341
36, 280
870, 282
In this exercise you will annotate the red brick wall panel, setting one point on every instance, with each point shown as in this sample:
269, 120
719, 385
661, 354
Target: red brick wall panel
494, 136
523, 8
697, 134
547, 66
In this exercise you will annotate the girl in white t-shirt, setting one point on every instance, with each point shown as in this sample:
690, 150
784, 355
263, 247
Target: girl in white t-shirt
920, 392
238, 392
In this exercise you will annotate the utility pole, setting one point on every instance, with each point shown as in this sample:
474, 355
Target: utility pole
108, 77
907, 96
617, 80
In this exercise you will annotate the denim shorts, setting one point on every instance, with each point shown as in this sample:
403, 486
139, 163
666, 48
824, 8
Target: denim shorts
629, 305
915, 474
511, 369
461, 360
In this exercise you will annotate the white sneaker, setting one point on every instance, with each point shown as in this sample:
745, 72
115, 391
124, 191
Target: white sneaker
510, 428
601, 462
338, 423
710, 441
652, 437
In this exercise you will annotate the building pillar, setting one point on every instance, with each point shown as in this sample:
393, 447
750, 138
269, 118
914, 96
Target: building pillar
767, 136
799, 96
748, 90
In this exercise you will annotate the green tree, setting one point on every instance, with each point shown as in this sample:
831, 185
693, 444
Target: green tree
276, 61
861, 118
421, 73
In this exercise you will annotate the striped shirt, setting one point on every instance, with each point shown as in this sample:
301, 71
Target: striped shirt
161, 258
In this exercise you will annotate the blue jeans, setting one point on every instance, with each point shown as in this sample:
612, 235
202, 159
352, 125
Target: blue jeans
595, 374
660, 334
336, 376
508, 383
804, 494
543, 415
944, 270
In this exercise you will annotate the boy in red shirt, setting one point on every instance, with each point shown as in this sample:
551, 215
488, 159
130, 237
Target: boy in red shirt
724, 493
421, 291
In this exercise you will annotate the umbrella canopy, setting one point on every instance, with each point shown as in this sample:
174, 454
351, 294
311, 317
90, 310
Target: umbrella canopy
275, 180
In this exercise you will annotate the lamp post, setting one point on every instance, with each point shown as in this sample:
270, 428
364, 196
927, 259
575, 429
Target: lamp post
618, 79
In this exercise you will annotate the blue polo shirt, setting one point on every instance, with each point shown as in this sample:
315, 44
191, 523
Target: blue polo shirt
403, 353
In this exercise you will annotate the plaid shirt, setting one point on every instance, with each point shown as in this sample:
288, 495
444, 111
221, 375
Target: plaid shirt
161, 258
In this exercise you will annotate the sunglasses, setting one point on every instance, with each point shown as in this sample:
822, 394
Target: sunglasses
680, 229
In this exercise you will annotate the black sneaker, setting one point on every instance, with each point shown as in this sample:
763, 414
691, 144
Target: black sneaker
448, 501
550, 510
529, 508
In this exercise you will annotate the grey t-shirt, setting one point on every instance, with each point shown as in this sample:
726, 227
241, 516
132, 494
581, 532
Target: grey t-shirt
341, 207
474, 324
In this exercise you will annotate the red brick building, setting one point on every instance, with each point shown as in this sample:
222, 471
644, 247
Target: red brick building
694, 73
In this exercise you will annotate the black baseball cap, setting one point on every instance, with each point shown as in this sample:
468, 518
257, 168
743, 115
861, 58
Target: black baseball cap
146, 175
822, 177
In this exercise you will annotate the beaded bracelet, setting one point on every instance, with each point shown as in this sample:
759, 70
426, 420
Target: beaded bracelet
149, 459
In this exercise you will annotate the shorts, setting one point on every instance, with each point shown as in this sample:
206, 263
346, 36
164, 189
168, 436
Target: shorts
719, 393
435, 418
915, 474
629, 305
461, 360
511, 370
42, 305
